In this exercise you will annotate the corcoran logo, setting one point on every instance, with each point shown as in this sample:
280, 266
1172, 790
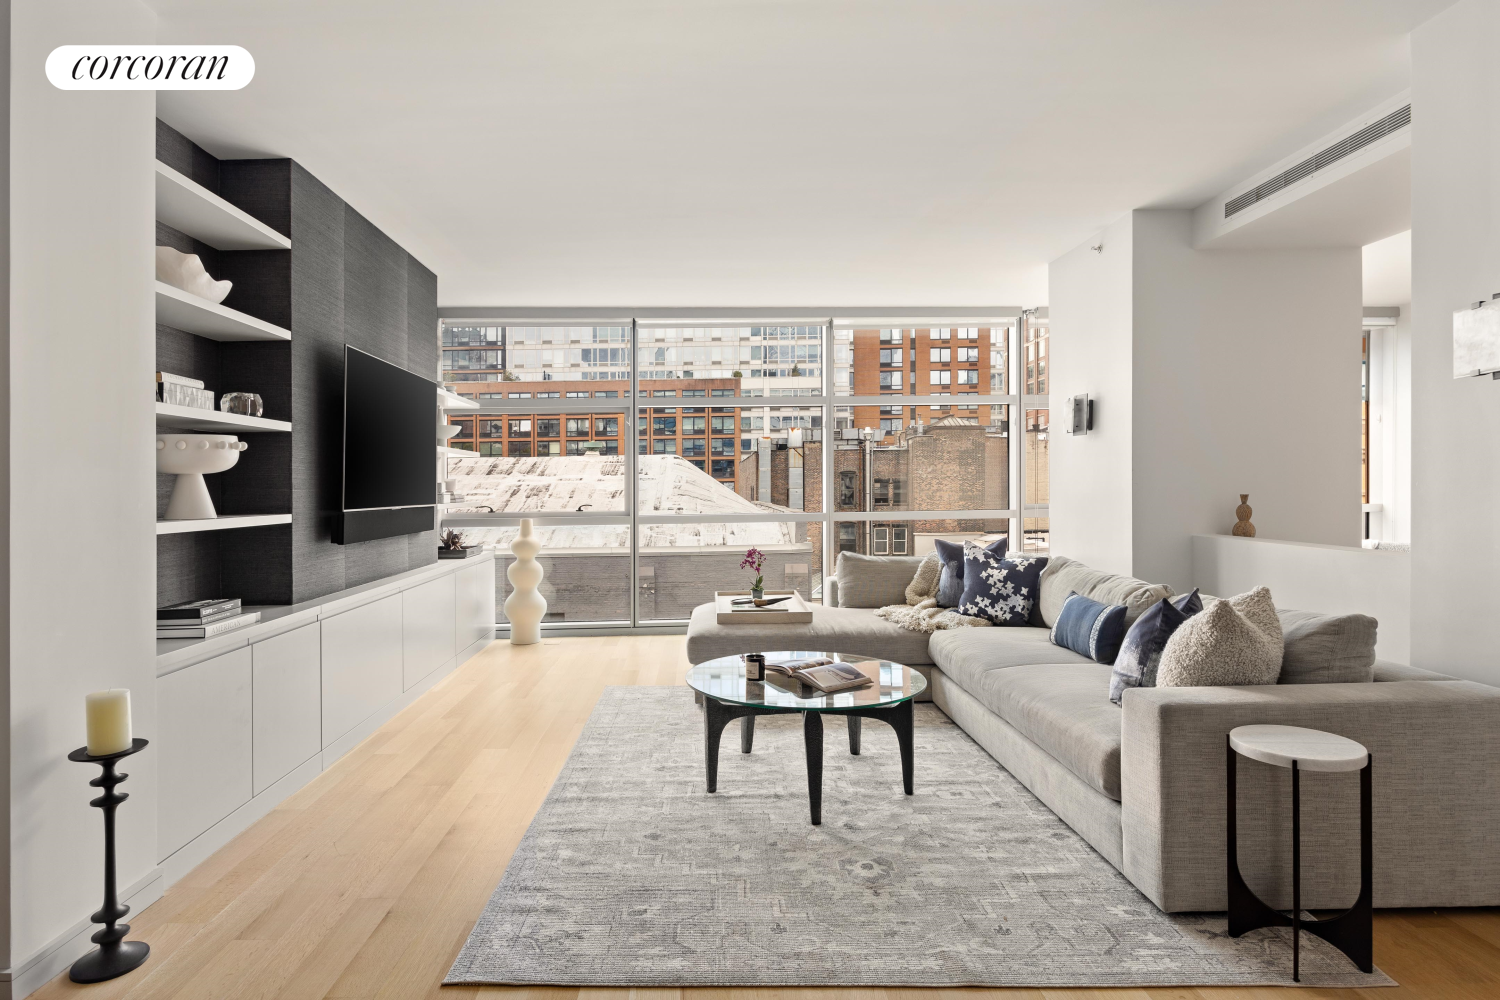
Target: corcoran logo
150, 67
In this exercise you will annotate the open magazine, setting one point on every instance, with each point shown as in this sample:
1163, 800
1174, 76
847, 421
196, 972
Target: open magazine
822, 673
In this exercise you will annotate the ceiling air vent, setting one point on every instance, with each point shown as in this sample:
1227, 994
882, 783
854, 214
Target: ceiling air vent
1359, 140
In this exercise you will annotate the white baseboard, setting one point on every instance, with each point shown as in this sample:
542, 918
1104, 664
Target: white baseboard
41, 966
190, 855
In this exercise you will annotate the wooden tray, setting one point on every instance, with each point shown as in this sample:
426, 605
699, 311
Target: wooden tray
793, 612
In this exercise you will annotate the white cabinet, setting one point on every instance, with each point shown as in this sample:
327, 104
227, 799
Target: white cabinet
361, 664
474, 606
287, 699
428, 628
203, 727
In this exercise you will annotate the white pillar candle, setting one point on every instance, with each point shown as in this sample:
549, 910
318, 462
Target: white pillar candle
108, 721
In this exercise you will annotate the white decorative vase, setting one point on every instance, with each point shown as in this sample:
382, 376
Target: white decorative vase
189, 457
186, 271
525, 607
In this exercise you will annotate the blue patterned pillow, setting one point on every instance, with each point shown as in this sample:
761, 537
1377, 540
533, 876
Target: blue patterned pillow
1004, 590
950, 589
1095, 630
1140, 653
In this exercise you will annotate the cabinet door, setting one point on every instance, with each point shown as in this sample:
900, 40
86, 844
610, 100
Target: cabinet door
287, 698
361, 664
475, 604
203, 722
427, 628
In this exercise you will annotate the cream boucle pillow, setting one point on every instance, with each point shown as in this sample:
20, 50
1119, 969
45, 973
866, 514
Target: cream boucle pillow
1233, 641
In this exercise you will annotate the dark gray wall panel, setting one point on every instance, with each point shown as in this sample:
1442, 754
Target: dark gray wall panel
374, 291
262, 283
186, 157
366, 562
261, 188
421, 320
257, 564
187, 567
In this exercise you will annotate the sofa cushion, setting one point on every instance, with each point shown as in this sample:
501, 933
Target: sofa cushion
836, 630
1326, 649
1140, 653
951, 580
1063, 708
1003, 590
1385, 670
1230, 642
874, 581
1064, 576
966, 655
1088, 627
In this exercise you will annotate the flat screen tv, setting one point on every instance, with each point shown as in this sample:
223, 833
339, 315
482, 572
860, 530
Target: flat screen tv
390, 458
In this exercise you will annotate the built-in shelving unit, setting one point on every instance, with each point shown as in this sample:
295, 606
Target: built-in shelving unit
453, 401
194, 314
456, 452
191, 208
192, 418
221, 523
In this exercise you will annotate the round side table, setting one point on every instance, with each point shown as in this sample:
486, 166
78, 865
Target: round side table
1351, 932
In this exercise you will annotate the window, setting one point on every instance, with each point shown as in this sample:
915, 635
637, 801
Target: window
723, 468
496, 428
518, 449
940, 378
667, 447
548, 427
847, 482
881, 535
610, 394
939, 355
967, 376
546, 395
693, 447
898, 540
722, 446
890, 336
578, 395
968, 333
889, 426
696, 462
723, 425
690, 393
848, 537
968, 355
545, 448
518, 428
723, 392
491, 448
606, 426
747, 444
692, 425
890, 356
940, 333
663, 425
890, 380
578, 427
887, 492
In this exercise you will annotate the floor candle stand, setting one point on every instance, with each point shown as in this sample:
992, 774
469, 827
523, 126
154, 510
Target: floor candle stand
115, 956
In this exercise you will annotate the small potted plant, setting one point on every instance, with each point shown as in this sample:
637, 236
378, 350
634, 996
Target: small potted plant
453, 546
755, 560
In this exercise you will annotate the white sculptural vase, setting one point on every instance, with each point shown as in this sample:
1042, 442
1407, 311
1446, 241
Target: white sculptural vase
189, 457
186, 271
525, 607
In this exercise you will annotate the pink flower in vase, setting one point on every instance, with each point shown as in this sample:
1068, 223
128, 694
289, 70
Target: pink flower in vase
755, 560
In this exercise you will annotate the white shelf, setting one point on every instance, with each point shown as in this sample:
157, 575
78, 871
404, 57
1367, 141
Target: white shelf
456, 452
453, 401
192, 418
186, 311
191, 208
221, 523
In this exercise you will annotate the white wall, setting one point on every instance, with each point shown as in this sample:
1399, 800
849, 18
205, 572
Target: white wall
1246, 380
82, 485
1455, 261
1090, 345
1331, 579
1390, 429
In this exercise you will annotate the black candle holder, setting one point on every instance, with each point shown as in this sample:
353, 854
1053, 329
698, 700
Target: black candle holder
114, 956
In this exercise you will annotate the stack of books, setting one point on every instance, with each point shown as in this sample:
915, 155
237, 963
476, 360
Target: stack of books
180, 390
203, 619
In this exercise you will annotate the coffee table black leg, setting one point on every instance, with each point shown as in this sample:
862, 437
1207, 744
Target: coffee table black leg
854, 735
747, 733
901, 720
812, 735
715, 717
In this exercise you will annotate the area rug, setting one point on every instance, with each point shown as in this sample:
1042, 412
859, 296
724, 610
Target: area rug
631, 874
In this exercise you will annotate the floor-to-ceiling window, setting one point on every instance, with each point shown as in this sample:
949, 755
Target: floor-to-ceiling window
653, 453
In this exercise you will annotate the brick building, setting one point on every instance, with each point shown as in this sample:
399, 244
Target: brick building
705, 435
925, 361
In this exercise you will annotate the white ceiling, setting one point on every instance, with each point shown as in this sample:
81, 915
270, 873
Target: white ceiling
778, 152
1387, 271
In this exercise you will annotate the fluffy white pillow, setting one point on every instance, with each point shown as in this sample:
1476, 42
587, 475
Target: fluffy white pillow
1233, 641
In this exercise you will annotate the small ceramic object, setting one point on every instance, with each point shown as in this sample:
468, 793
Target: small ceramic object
1242, 527
190, 457
447, 431
525, 607
245, 404
185, 271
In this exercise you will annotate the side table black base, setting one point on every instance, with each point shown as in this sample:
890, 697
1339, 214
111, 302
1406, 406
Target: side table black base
110, 961
718, 714
1351, 932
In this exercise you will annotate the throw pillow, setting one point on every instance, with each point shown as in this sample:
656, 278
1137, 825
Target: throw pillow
1140, 653
1327, 649
1235, 641
1090, 628
873, 581
950, 589
1000, 589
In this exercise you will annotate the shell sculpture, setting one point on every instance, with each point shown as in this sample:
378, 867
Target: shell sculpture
186, 271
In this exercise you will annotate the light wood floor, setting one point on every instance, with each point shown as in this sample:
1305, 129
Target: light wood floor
367, 882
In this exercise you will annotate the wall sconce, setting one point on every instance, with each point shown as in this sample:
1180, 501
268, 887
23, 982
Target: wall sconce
1080, 415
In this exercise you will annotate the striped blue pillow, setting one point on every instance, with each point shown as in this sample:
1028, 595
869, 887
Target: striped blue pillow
1089, 628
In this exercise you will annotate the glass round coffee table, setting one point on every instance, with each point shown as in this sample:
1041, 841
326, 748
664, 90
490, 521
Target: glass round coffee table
728, 695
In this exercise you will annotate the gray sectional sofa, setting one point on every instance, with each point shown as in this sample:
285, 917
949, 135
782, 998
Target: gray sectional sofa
1144, 782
